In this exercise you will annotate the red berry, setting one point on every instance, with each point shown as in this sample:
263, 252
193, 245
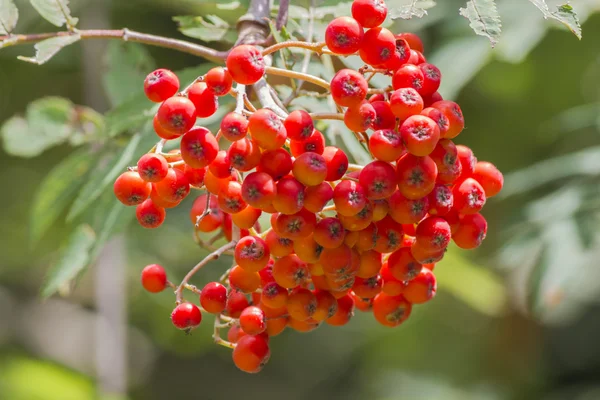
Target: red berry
130, 189
314, 144
360, 117
433, 234
386, 145
348, 88
290, 271
252, 253
154, 278
378, 178
219, 80
420, 135
344, 35
316, 197
391, 310
406, 211
244, 154
149, 215
445, 156
152, 167
243, 280
400, 57
349, 198
310, 169
211, 221
403, 265
162, 132
174, 187
432, 78
438, 117
267, 129
416, 176
378, 46
290, 196
246, 64
253, 320
467, 161
251, 353
259, 189
441, 200
161, 84
221, 165
204, 99
301, 304
213, 297
277, 163
489, 177
384, 117
469, 197
176, 115
421, 289
389, 235
408, 76
329, 233
236, 303
413, 40
455, 117
199, 147
336, 161
405, 102
299, 125
234, 126
230, 198
298, 225
369, 13
345, 311
470, 232
186, 316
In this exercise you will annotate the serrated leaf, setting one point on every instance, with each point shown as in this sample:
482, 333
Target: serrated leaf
127, 66
564, 14
57, 190
484, 18
108, 168
9, 15
111, 216
46, 49
209, 28
56, 12
130, 114
281, 36
74, 258
416, 8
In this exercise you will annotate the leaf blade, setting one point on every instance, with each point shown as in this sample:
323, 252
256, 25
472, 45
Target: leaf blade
46, 49
416, 8
56, 12
74, 258
56, 191
484, 19
565, 14
9, 15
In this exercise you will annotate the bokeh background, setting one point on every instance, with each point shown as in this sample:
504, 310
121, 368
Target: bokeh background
517, 319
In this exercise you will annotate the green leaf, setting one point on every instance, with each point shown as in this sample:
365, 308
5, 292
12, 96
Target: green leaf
74, 258
55, 11
46, 49
9, 15
476, 286
416, 8
50, 121
111, 217
484, 18
128, 64
57, 190
209, 28
109, 167
563, 14
130, 114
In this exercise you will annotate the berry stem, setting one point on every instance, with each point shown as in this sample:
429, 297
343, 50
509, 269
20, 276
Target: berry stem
297, 75
240, 94
122, 34
354, 167
320, 116
211, 257
261, 88
316, 47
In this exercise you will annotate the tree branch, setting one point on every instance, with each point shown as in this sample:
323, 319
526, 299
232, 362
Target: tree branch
282, 15
122, 34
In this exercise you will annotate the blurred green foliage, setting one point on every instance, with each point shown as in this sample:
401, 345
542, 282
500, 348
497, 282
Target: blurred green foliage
515, 320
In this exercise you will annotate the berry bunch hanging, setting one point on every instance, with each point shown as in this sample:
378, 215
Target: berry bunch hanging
341, 236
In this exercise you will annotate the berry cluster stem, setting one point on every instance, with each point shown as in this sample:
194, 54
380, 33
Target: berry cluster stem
211, 257
121, 34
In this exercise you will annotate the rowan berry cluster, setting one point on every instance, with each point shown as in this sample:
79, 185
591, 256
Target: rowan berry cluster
341, 236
